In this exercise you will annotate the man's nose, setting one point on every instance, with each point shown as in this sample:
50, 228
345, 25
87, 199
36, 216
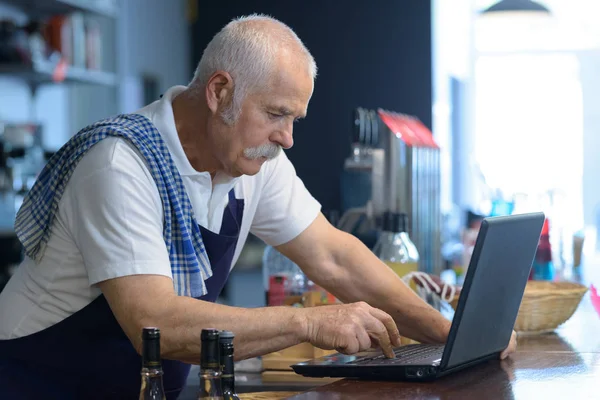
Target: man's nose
285, 138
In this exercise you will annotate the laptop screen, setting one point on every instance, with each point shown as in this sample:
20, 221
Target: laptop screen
493, 288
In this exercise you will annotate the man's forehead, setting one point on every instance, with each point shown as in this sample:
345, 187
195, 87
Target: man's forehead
290, 91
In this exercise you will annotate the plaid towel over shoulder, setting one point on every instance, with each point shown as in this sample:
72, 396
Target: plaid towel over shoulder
189, 262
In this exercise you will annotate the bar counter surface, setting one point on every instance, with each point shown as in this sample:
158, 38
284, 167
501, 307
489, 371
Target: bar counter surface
564, 364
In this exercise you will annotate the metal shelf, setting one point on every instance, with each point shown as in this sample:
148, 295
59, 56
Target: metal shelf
42, 72
52, 7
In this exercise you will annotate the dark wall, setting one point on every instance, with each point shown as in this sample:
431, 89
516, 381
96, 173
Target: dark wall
372, 54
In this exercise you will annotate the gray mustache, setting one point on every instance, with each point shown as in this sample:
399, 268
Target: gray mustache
269, 151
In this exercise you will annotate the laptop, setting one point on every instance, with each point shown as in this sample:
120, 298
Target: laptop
484, 319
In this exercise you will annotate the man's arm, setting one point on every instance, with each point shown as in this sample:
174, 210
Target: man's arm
340, 263
149, 300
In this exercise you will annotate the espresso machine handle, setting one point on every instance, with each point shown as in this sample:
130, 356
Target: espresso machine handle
367, 137
374, 129
359, 126
356, 126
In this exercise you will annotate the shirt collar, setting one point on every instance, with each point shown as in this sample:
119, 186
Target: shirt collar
161, 114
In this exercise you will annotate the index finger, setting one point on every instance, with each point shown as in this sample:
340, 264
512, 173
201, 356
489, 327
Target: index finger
390, 326
382, 335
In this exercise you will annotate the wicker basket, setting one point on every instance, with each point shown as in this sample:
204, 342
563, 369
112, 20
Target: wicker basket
545, 305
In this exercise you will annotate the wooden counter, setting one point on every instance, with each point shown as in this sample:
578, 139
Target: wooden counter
266, 395
526, 375
561, 365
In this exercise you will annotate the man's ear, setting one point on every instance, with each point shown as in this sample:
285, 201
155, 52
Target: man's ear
219, 89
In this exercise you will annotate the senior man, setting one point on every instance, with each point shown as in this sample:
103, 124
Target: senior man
139, 218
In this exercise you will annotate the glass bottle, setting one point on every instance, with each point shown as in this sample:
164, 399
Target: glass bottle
210, 367
543, 267
226, 355
282, 278
394, 246
152, 373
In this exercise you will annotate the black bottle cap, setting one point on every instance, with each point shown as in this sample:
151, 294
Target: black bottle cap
209, 356
150, 333
226, 345
226, 337
226, 354
395, 222
151, 347
209, 334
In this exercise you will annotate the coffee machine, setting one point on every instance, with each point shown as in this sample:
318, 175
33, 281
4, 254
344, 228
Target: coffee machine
394, 166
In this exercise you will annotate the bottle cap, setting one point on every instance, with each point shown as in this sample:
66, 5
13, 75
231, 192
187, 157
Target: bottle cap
395, 222
209, 355
226, 337
151, 347
209, 334
150, 333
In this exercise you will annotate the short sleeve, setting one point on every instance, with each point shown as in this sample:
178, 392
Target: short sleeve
285, 207
115, 214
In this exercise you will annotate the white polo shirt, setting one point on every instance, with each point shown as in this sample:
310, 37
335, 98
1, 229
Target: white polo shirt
110, 223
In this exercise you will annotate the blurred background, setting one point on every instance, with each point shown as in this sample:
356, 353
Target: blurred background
426, 115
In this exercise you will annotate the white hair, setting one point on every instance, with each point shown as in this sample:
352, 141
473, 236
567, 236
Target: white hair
248, 53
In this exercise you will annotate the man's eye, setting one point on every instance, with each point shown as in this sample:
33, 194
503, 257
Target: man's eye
274, 116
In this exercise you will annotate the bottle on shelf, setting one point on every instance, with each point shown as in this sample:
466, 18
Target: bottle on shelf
152, 373
284, 282
282, 278
228, 374
394, 246
543, 267
210, 366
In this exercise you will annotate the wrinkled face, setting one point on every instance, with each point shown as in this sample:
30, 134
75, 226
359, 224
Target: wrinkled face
265, 124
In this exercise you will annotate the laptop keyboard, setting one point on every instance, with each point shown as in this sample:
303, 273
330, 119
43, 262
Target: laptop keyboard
404, 355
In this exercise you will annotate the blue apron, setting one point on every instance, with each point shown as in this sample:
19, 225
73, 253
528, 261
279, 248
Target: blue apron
88, 356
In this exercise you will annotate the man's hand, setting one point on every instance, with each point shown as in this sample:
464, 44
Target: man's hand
512, 346
350, 328
345, 267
